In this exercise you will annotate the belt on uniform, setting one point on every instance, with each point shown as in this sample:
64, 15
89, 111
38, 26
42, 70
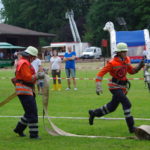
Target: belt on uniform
120, 82
25, 83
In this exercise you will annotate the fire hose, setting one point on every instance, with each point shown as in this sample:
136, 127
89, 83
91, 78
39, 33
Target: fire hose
8, 99
55, 131
141, 132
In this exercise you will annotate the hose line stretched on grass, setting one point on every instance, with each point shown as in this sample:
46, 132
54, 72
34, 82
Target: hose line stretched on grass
55, 131
8, 99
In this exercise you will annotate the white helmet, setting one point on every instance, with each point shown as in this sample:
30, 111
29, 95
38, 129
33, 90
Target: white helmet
32, 51
122, 47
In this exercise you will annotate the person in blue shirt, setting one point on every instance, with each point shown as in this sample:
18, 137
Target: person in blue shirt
69, 59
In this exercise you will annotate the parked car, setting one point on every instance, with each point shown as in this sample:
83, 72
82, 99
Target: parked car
91, 52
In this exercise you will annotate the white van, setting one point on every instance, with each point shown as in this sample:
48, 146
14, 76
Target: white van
92, 52
62, 47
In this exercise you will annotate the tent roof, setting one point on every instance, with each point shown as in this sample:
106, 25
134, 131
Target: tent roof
6, 29
4, 45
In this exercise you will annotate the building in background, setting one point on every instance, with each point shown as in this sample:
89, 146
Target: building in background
21, 36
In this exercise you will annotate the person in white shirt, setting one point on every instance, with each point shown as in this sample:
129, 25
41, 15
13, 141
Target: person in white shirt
37, 65
55, 67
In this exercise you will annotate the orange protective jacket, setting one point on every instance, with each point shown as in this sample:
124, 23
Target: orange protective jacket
118, 69
25, 73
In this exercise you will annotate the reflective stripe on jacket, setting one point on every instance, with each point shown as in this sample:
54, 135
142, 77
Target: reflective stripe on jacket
26, 73
23, 89
118, 69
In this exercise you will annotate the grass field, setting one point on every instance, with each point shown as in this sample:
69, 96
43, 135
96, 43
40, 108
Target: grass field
75, 104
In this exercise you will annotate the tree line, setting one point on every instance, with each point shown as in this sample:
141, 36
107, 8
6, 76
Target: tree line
90, 16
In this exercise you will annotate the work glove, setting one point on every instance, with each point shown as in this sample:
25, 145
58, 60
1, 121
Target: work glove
140, 65
99, 88
40, 75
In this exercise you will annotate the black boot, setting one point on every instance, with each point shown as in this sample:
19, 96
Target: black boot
34, 135
19, 129
91, 118
33, 130
130, 124
132, 130
21, 134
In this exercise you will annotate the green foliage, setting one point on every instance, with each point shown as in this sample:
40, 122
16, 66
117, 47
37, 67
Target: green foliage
135, 12
142, 11
46, 16
102, 12
90, 16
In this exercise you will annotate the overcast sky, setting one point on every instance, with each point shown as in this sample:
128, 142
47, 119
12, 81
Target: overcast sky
1, 6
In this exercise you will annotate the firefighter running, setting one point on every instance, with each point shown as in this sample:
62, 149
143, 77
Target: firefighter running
118, 67
25, 80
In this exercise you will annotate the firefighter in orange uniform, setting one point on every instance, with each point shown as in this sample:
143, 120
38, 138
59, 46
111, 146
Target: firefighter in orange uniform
118, 68
25, 80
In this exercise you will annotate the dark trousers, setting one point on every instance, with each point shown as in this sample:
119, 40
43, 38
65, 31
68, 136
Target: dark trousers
118, 97
54, 74
30, 117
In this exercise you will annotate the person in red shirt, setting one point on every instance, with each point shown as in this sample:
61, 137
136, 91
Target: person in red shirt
118, 67
24, 84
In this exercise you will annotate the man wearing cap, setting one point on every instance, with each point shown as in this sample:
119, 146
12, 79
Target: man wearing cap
25, 80
118, 67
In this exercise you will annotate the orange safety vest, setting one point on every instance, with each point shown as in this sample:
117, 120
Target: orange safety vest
25, 73
118, 69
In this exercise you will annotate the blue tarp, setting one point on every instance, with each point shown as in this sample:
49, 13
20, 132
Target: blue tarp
132, 38
134, 61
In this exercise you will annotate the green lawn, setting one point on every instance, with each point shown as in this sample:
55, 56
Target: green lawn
75, 104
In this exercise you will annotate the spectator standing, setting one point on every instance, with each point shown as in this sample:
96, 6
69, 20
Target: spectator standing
55, 67
37, 65
69, 59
